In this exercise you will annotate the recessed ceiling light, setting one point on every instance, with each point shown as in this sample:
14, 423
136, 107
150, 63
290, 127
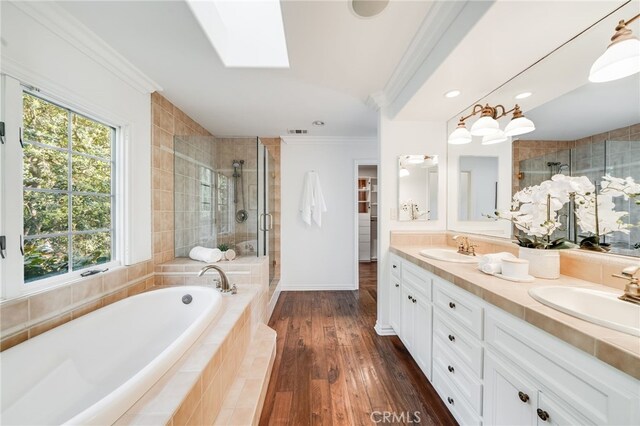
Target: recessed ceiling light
368, 8
318, 123
452, 93
523, 95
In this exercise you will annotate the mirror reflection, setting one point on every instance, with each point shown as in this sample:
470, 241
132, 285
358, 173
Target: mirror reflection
417, 187
477, 188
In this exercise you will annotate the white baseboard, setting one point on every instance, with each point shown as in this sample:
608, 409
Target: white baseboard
384, 330
319, 287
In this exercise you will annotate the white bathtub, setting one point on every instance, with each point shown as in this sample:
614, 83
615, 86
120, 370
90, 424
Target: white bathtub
91, 370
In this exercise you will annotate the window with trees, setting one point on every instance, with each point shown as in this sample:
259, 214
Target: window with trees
68, 190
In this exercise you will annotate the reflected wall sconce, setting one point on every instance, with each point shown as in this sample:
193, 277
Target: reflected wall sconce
488, 127
622, 57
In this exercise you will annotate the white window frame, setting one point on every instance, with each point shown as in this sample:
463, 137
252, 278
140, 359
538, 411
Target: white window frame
11, 214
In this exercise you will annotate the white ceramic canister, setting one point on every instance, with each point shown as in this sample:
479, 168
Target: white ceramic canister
542, 263
515, 268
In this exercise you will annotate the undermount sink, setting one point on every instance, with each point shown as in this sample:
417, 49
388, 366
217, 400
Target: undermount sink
595, 306
448, 255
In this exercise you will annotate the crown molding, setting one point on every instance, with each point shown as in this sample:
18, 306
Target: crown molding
327, 140
56, 19
377, 101
444, 26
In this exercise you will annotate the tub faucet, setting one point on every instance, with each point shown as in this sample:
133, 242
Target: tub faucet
223, 284
632, 289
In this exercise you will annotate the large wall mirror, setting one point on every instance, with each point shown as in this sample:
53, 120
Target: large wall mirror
417, 187
582, 128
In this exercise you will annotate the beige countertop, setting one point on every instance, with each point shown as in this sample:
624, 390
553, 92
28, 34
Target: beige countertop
615, 348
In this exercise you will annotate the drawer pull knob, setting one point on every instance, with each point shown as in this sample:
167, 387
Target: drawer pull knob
452, 338
523, 397
452, 305
395, 266
415, 300
450, 400
409, 297
397, 285
544, 416
451, 369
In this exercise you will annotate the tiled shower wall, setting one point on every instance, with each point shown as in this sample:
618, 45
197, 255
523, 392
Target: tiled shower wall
168, 121
194, 192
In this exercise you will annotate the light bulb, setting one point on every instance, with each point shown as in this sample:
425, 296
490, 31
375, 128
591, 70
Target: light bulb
485, 126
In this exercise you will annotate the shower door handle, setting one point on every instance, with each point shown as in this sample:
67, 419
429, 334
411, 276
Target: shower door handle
261, 222
270, 221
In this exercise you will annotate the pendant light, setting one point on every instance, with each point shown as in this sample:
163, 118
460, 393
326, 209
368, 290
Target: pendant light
622, 57
519, 124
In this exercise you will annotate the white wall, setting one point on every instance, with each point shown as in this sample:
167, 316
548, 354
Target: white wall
45, 47
321, 258
398, 138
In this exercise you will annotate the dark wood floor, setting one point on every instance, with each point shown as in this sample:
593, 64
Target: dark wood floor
332, 368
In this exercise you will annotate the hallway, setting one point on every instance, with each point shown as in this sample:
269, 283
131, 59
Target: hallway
332, 368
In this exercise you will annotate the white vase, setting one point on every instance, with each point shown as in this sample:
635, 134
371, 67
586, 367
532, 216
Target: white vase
542, 263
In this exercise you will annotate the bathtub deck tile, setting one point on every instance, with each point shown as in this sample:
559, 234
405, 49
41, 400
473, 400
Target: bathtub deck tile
189, 404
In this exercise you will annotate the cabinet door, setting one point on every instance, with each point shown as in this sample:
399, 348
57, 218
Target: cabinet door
395, 304
508, 399
422, 324
407, 325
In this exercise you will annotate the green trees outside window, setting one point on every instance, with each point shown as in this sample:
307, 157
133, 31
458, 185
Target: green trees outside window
67, 190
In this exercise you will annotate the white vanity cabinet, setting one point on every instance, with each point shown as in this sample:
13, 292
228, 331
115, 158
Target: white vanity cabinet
416, 315
492, 368
395, 294
565, 385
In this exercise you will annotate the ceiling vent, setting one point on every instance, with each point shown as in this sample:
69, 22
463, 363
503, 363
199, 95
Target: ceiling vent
297, 131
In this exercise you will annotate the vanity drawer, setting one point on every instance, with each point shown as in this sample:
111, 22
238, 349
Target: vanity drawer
463, 344
459, 306
463, 413
458, 373
418, 278
396, 266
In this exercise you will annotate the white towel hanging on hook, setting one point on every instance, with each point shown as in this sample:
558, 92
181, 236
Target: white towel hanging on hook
312, 204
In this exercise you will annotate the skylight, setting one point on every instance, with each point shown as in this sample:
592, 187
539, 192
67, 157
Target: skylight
245, 33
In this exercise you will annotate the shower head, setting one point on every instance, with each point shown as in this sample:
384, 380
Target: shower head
563, 166
236, 163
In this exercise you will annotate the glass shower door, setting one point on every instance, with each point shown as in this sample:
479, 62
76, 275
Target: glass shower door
268, 218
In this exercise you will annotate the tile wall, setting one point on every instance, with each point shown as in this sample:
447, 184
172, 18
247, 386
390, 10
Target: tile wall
168, 121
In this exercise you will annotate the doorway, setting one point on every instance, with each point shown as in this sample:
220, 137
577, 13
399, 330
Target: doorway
367, 190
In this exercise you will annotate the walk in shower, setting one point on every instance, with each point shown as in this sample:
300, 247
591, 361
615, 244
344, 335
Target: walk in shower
593, 160
225, 193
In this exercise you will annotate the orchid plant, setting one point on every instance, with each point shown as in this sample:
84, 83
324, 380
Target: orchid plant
535, 210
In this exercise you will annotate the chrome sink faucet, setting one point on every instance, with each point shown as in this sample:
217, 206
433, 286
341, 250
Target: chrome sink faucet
632, 289
223, 283
464, 247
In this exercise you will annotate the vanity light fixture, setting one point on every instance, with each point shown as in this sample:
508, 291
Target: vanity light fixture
318, 123
403, 172
622, 57
488, 127
414, 159
523, 95
452, 94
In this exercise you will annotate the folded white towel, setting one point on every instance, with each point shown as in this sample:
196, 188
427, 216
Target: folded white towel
492, 263
491, 268
204, 254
